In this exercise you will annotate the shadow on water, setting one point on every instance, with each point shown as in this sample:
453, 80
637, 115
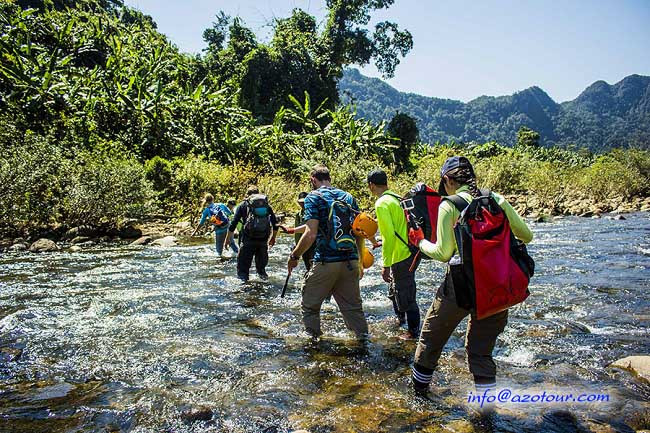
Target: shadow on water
167, 339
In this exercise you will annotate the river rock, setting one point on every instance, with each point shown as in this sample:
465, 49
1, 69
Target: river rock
75, 249
197, 414
83, 231
79, 240
639, 365
19, 241
86, 244
18, 247
167, 241
43, 245
595, 217
129, 232
586, 214
10, 354
104, 239
143, 240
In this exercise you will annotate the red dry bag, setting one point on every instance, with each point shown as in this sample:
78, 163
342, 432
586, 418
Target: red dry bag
495, 267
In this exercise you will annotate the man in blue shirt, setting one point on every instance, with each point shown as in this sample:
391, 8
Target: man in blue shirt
336, 270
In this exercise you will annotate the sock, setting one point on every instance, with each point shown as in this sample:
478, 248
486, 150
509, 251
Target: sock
421, 376
483, 383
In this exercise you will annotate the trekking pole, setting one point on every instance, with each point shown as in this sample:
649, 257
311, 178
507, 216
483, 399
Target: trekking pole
286, 283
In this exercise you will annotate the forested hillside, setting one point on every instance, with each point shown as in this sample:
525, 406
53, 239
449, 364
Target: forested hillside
103, 119
603, 116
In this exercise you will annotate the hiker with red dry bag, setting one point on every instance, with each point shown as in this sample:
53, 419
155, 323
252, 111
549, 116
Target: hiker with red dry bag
482, 238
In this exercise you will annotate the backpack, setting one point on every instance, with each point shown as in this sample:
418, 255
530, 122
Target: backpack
494, 267
258, 218
420, 207
218, 217
338, 233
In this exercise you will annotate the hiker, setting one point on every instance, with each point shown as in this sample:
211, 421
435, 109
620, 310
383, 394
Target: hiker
458, 183
399, 261
336, 270
232, 244
218, 215
258, 232
299, 228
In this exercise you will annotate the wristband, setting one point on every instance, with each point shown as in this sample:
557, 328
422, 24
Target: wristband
292, 257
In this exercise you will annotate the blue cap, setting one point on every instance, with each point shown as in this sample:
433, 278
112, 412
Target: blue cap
455, 162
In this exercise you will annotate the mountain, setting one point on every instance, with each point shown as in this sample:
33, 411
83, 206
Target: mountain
603, 116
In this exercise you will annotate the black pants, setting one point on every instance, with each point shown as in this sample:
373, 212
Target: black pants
403, 293
249, 248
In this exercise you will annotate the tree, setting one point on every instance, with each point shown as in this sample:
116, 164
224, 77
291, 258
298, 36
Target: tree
301, 59
403, 128
526, 137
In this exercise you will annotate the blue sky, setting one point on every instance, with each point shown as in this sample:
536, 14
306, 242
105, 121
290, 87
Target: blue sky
465, 49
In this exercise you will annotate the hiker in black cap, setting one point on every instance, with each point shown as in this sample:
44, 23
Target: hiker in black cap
459, 182
399, 262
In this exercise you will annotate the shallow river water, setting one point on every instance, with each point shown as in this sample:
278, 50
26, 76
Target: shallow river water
119, 338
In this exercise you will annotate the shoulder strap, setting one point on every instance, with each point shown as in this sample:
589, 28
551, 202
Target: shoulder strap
458, 201
394, 195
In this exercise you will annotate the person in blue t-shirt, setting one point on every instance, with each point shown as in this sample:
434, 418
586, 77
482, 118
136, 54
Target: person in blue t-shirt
218, 215
336, 268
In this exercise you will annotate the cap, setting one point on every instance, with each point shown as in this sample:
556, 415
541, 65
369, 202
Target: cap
378, 177
301, 197
455, 162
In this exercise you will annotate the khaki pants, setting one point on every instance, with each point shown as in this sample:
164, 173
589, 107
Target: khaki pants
441, 320
341, 280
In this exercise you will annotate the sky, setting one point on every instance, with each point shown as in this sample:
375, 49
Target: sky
464, 49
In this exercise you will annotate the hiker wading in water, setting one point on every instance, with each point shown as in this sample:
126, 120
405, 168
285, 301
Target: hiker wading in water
258, 232
396, 254
458, 180
336, 270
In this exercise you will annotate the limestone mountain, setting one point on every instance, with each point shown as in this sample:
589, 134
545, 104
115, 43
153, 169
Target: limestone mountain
603, 116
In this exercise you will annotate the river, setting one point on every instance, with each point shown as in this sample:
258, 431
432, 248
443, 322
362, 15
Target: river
120, 338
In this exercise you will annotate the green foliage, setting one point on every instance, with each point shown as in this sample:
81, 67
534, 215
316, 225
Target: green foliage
403, 128
609, 177
104, 189
526, 137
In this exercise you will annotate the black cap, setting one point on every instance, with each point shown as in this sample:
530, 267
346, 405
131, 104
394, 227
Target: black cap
450, 164
455, 162
301, 197
378, 177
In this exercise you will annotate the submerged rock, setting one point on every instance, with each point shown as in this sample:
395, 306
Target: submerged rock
167, 241
75, 249
197, 414
143, 240
639, 365
43, 245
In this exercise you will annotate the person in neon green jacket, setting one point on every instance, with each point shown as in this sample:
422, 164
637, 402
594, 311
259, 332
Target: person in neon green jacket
444, 315
396, 254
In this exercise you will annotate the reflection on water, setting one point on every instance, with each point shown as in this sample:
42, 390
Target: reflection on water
151, 339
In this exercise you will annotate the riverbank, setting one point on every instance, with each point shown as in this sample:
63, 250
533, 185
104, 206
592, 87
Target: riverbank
147, 230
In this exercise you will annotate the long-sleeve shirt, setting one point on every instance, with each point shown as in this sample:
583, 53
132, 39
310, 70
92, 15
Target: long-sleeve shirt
211, 210
445, 247
391, 220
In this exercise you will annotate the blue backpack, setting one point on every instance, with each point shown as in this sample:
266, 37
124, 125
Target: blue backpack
340, 216
217, 211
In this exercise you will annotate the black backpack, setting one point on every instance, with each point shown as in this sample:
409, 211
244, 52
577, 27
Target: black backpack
258, 218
